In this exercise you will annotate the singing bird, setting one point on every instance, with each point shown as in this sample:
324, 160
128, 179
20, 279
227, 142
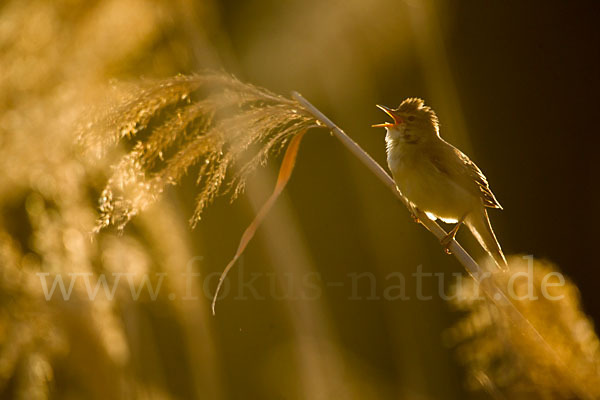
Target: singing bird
437, 178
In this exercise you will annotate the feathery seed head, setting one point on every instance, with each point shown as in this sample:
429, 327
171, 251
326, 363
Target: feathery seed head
211, 122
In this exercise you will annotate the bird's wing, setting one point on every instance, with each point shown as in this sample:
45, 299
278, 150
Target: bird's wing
466, 174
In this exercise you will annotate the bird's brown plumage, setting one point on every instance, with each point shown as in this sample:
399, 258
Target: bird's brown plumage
436, 177
467, 174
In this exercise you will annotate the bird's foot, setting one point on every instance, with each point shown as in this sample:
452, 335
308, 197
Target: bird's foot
446, 241
414, 212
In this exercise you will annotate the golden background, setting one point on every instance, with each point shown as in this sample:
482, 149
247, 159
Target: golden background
515, 86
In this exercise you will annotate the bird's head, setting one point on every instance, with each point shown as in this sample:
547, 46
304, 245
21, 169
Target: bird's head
413, 121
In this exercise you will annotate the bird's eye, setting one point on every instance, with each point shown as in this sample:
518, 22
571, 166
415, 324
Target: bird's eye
411, 118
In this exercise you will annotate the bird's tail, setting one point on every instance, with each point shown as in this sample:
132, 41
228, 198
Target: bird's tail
479, 224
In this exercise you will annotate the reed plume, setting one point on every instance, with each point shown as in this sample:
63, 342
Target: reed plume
212, 121
54, 55
506, 362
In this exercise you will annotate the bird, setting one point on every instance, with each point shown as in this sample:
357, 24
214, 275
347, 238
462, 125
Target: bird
437, 178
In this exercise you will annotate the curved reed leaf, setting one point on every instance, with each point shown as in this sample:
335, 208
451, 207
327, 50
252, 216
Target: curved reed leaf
285, 172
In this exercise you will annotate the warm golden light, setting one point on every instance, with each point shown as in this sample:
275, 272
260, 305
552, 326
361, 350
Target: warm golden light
128, 127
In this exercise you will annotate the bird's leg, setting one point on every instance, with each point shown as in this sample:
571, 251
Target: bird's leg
414, 211
447, 240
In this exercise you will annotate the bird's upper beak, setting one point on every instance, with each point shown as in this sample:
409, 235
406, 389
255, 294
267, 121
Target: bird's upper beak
392, 113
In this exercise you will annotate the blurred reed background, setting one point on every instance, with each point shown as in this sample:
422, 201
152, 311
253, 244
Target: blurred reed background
514, 85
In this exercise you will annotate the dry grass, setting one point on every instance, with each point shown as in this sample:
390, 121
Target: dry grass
507, 363
213, 121
48, 198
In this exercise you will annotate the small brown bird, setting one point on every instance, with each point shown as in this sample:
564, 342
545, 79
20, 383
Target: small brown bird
437, 178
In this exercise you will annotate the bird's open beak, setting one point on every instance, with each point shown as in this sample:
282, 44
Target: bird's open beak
390, 112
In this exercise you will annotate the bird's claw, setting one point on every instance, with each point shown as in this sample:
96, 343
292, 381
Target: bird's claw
446, 241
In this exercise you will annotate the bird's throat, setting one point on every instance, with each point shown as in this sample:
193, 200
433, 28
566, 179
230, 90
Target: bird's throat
399, 137
391, 144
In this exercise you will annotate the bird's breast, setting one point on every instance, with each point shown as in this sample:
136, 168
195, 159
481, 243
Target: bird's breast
425, 186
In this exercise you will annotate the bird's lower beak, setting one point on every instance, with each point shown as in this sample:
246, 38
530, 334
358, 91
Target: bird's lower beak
390, 112
383, 125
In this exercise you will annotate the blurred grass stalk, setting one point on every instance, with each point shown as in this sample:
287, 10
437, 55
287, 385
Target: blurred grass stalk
320, 363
